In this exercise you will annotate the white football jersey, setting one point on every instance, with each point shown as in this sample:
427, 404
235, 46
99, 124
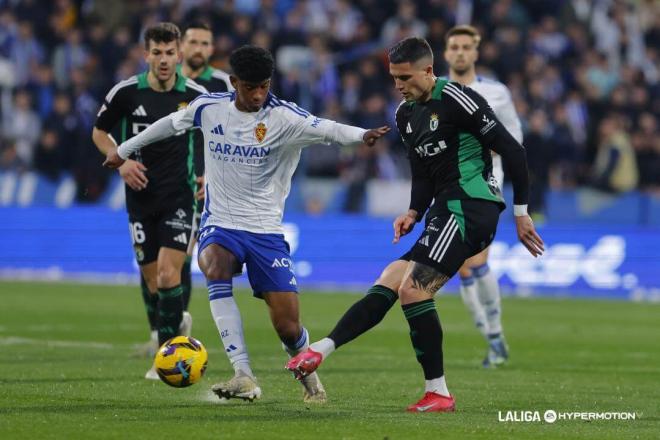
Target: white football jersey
499, 98
250, 157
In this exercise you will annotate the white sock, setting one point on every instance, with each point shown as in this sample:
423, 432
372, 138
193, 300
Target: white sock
438, 386
325, 346
300, 345
488, 291
228, 320
471, 301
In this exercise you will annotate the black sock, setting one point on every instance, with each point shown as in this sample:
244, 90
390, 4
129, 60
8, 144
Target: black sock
186, 282
426, 336
170, 313
150, 304
363, 315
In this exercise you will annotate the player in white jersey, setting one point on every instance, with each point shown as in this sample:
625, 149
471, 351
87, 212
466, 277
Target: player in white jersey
253, 142
479, 288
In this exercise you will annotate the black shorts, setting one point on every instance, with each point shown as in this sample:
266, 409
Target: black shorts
455, 231
170, 228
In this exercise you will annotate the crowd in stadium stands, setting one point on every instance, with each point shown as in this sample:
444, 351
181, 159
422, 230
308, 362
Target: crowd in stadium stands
584, 75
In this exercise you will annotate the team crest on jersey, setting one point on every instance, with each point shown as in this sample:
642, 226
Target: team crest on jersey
260, 131
433, 123
182, 105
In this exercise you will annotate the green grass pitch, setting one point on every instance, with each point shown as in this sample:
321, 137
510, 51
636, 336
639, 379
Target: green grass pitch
67, 372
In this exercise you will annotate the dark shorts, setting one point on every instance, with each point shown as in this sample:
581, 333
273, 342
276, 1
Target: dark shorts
266, 256
171, 228
454, 232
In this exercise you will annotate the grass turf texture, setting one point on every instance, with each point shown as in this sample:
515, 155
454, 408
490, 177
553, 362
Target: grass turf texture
67, 371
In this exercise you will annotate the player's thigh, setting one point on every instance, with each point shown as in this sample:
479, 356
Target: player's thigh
420, 282
221, 253
269, 264
392, 275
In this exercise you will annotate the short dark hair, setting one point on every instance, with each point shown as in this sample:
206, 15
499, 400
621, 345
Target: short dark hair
197, 24
410, 50
252, 63
464, 29
162, 33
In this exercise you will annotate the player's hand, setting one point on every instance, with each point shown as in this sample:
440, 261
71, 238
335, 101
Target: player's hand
112, 159
200, 194
134, 175
404, 224
371, 136
528, 236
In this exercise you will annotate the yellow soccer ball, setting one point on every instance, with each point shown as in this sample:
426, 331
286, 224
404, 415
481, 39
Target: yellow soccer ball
181, 361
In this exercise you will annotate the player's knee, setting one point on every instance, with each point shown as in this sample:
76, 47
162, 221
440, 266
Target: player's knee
465, 271
168, 276
406, 293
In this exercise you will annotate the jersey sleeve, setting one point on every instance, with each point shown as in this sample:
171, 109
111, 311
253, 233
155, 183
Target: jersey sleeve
305, 129
472, 113
112, 110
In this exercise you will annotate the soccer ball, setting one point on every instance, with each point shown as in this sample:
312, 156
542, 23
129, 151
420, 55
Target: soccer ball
181, 361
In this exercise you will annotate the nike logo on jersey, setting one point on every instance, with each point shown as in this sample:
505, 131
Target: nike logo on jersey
218, 130
181, 238
140, 111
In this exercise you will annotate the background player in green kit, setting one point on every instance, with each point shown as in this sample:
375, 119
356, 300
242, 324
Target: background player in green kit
448, 130
159, 198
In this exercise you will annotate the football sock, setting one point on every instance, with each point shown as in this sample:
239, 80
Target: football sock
471, 301
426, 336
150, 304
325, 346
228, 320
301, 344
170, 313
363, 315
438, 386
488, 291
186, 282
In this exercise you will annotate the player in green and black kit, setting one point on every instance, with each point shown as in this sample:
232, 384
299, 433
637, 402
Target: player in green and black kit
196, 51
159, 198
448, 130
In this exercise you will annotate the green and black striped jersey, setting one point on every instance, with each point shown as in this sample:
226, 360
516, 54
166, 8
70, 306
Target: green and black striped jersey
133, 105
213, 80
448, 139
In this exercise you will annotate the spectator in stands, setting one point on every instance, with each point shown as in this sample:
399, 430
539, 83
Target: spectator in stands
22, 124
615, 169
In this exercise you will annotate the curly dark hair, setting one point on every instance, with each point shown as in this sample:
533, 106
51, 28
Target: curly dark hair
252, 63
162, 33
410, 50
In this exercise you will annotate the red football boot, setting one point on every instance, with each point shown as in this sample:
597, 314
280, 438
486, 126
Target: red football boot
304, 363
433, 402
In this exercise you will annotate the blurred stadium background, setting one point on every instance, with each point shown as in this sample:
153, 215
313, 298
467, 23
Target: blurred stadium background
584, 76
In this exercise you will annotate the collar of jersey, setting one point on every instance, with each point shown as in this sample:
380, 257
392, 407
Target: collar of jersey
179, 85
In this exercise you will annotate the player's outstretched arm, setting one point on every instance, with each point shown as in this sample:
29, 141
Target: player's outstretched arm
159, 130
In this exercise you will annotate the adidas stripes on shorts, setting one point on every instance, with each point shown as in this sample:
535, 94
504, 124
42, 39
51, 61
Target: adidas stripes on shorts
455, 231
170, 228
